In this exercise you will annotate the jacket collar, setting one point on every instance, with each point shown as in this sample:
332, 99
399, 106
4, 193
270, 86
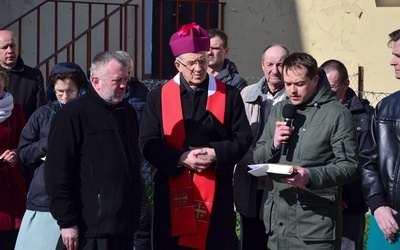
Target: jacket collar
227, 71
19, 66
91, 93
353, 103
259, 90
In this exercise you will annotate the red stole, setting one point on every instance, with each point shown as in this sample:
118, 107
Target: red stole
191, 201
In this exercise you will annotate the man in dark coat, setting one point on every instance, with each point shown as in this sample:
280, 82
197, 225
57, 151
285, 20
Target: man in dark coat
136, 93
218, 65
194, 130
353, 205
380, 165
92, 168
25, 83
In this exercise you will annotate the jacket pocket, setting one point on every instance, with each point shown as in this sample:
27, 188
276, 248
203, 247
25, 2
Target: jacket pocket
268, 214
362, 124
317, 217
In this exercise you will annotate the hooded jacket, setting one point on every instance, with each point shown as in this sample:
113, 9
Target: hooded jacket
362, 113
32, 146
230, 75
324, 142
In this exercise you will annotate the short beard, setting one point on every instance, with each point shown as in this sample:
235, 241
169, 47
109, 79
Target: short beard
110, 98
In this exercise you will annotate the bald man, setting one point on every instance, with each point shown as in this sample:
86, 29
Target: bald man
26, 83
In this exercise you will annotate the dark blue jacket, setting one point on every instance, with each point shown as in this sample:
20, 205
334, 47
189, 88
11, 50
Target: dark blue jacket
32, 146
136, 93
362, 113
230, 75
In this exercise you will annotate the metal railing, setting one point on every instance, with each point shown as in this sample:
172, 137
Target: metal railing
194, 6
118, 14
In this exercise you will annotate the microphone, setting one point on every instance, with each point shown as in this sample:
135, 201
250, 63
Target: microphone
288, 112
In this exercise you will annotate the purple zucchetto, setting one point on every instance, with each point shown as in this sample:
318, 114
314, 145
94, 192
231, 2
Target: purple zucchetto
190, 38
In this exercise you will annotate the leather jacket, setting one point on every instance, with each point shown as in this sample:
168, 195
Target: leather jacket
380, 160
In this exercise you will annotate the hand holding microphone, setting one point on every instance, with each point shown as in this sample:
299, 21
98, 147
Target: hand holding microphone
283, 129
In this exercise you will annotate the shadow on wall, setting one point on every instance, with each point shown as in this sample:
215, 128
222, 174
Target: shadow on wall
387, 3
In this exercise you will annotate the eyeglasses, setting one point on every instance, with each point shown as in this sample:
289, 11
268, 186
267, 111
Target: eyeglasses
61, 92
191, 64
334, 86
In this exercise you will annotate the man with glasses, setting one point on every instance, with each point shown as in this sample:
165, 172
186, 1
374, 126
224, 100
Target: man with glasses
194, 130
220, 66
353, 204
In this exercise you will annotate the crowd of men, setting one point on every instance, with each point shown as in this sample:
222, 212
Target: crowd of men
71, 154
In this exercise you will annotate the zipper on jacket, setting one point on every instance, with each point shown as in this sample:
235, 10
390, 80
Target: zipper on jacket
99, 203
303, 131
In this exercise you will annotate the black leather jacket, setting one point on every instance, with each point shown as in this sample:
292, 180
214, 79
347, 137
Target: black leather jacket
381, 160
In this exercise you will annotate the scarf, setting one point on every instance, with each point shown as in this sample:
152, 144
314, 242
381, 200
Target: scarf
6, 106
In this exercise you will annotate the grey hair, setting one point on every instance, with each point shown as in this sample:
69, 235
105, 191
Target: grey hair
126, 55
103, 58
180, 57
274, 45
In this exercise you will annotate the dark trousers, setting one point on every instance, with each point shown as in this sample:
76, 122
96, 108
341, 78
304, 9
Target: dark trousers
252, 230
142, 236
353, 231
111, 243
8, 239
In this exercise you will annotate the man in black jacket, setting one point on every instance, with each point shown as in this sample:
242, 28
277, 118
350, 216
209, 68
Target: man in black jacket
353, 204
220, 66
92, 168
26, 83
380, 170
136, 93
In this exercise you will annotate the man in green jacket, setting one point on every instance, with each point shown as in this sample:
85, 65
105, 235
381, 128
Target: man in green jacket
303, 210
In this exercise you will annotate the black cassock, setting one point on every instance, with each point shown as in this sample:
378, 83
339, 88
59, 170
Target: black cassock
221, 234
